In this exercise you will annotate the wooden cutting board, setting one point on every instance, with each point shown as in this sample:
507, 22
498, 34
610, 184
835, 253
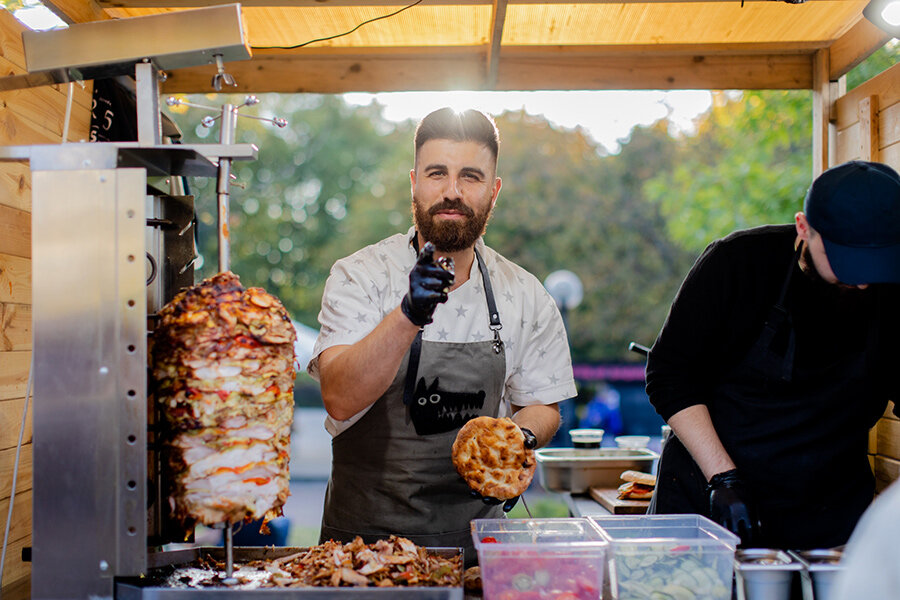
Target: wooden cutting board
607, 499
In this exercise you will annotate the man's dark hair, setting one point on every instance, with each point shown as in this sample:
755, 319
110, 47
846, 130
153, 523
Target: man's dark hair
467, 126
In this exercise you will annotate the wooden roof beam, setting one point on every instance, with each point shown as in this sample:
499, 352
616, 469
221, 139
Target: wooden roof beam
76, 11
855, 46
498, 17
334, 71
334, 3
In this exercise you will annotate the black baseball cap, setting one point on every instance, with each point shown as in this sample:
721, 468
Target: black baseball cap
855, 207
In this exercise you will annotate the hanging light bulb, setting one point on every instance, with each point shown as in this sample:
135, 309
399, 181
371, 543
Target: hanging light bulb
884, 14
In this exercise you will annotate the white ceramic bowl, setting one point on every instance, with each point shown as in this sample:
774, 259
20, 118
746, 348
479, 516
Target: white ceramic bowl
591, 437
632, 441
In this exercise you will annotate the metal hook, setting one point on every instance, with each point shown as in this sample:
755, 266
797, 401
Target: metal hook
221, 76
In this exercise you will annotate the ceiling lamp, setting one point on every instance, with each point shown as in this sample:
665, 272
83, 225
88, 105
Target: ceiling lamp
885, 14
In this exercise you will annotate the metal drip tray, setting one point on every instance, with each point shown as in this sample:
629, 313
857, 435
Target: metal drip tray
175, 575
576, 470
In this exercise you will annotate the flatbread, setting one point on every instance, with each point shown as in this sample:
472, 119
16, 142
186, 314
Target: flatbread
490, 455
638, 477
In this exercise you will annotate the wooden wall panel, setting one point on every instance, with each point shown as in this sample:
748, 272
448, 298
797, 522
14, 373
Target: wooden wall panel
890, 155
17, 128
21, 527
10, 424
16, 572
15, 185
15, 279
887, 470
889, 124
15, 327
887, 132
885, 456
888, 438
884, 85
20, 589
13, 374
15, 232
14, 568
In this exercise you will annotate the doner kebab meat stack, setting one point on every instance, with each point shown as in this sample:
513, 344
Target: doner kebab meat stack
223, 364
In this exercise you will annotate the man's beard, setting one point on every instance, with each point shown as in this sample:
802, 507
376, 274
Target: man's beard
446, 235
808, 266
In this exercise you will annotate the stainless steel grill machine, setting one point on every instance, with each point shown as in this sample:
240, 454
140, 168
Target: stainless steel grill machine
108, 251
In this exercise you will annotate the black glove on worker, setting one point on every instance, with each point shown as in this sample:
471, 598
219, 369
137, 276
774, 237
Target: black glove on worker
429, 284
530, 444
730, 506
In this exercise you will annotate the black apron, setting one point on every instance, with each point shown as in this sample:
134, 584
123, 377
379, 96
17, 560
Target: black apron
392, 472
798, 437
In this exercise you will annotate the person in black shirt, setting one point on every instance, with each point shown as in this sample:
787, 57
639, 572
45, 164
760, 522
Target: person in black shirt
774, 362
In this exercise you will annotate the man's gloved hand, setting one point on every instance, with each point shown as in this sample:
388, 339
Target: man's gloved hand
730, 506
429, 284
507, 504
530, 439
530, 444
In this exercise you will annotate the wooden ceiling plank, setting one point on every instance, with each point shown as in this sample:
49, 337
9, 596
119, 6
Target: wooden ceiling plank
498, 17
76, 11
660, 71
855, 46
110, 4
416, 69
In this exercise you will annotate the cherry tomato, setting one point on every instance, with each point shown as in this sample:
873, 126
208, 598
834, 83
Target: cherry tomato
489, 540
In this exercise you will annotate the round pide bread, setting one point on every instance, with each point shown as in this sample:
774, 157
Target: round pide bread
490, 455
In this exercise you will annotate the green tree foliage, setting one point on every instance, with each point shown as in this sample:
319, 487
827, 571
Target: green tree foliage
748, 164
885, 57
564, 205
308, 199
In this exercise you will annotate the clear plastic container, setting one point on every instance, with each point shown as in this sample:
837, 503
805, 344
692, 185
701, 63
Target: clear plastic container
526, 559
684, 557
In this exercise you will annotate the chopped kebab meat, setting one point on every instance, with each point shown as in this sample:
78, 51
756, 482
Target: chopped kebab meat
222, 360
395, 561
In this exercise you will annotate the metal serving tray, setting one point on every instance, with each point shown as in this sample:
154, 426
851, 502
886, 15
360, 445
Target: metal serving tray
169, 579
577, 470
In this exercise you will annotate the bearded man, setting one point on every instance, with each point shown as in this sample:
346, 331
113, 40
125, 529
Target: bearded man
411, 348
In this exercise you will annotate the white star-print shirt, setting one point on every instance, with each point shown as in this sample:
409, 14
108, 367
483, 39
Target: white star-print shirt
367, 285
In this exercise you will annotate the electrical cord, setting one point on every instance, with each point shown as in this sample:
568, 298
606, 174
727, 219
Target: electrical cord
12, 491
65, 131
331, 37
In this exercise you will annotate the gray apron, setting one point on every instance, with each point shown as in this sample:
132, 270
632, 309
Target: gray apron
391, 470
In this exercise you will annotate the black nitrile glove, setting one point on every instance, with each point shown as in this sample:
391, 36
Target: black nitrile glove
429, 284
507, 504
730, 506
530, 439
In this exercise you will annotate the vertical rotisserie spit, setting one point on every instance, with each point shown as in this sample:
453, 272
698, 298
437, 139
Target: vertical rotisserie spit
222, 360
